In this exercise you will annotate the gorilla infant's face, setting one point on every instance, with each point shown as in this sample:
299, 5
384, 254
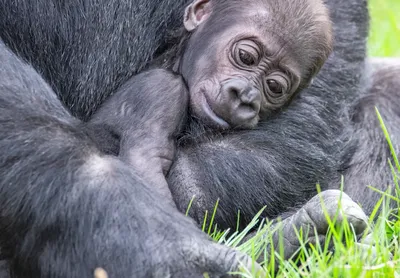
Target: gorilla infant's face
245, 61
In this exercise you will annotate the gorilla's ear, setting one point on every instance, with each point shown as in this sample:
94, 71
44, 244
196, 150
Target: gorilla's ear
196, 13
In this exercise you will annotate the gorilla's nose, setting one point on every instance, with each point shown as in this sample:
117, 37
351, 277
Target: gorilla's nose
240, 103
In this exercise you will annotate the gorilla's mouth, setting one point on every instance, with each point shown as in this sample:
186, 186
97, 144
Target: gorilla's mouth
209, 112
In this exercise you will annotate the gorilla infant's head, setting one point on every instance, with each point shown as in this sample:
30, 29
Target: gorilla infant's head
245, 59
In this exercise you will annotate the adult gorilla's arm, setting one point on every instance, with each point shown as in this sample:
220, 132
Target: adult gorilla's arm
65, 209
279, 164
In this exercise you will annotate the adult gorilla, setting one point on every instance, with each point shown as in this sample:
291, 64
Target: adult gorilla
66, 209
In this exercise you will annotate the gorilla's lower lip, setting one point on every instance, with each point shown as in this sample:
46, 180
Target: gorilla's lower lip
211, 114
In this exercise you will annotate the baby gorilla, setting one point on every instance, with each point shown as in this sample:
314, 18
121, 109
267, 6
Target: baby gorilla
240, 62
245, 60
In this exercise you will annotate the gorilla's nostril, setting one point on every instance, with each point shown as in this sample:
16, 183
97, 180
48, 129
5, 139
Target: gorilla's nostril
234, 92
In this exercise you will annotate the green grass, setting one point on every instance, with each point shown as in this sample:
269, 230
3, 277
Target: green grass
380, 259
384, 38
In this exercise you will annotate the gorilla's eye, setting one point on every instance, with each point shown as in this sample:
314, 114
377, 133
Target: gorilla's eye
246, 58
278, 88
274, 87
246, 53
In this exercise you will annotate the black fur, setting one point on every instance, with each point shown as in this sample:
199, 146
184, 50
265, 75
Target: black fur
66, 209
84, 50
369, 163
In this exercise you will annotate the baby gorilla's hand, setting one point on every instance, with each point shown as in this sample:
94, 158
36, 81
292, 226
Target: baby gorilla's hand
147, 113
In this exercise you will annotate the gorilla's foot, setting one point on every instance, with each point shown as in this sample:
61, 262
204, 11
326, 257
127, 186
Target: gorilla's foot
314, 220
332, 204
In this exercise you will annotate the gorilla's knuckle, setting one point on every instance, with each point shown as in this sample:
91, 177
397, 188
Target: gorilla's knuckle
306, 217
356, 216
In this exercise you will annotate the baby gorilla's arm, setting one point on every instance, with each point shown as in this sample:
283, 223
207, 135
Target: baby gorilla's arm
147, 113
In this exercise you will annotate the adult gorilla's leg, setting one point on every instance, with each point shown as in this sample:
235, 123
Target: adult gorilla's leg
369, 164
66, 209
279, 164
